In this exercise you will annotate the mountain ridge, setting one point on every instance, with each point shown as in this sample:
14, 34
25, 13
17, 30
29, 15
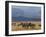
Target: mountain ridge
25, 19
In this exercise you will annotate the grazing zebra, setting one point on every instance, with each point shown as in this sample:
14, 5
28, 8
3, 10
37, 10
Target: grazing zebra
27, 25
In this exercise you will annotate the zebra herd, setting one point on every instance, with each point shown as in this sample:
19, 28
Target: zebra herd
27, 25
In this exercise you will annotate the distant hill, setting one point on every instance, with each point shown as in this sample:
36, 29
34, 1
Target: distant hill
25, 19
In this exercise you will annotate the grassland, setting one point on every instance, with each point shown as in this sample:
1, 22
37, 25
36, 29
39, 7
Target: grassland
15, 26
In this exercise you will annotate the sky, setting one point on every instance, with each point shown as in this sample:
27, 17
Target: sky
26, 11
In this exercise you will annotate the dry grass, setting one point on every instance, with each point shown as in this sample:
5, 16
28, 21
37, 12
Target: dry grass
19, 28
